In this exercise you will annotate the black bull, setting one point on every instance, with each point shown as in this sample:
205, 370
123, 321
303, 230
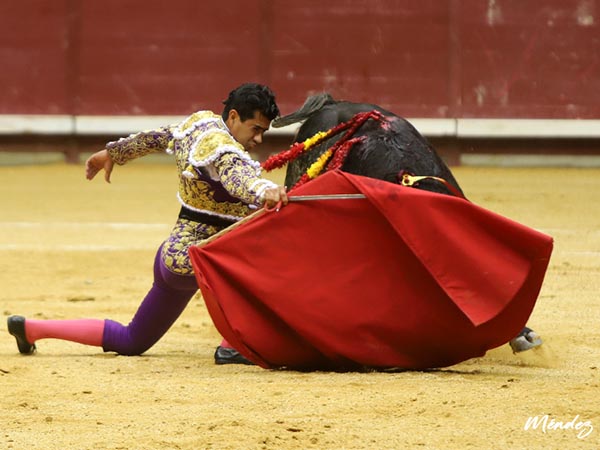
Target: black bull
390, 148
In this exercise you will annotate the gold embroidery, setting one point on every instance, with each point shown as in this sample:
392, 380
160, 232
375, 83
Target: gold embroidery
198, 194
197, 116
138, 145
185, 233
210, 143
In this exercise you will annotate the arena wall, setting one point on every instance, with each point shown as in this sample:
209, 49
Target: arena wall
463, 71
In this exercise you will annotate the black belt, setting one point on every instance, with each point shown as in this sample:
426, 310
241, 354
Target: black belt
207, 219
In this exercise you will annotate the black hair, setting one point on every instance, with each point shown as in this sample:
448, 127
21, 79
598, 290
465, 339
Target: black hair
251, 97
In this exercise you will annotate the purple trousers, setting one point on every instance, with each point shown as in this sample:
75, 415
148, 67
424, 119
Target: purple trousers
164, 303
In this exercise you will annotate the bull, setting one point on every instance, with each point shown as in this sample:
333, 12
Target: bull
385, 149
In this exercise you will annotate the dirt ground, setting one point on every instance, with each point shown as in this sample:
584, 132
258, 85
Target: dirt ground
70, 248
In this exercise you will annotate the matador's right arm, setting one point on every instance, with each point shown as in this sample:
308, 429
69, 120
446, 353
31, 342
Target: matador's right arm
139, 144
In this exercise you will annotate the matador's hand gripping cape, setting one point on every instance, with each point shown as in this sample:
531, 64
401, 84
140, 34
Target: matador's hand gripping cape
403, 278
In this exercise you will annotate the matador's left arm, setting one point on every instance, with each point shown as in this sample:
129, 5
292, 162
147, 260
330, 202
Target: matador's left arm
241, 179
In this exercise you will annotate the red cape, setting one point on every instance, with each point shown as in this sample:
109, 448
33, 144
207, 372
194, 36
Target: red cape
404, 278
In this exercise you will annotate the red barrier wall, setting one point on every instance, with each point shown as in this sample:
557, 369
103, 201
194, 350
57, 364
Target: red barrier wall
33, 57
419, 58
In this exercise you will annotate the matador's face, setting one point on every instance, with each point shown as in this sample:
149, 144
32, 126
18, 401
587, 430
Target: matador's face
249, 132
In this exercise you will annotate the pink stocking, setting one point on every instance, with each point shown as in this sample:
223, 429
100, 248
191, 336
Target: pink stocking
83, 331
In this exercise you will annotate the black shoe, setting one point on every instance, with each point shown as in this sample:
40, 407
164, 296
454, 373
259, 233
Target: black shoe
16, 327
224, 355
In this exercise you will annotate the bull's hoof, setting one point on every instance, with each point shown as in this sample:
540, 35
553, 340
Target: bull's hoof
526, 340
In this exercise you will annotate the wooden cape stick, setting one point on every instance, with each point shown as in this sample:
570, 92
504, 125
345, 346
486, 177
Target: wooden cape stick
296, 198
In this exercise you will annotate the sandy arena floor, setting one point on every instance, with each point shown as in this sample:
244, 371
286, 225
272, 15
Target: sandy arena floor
70, 248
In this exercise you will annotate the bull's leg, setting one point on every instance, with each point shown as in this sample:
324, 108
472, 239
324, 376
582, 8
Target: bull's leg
525, 340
